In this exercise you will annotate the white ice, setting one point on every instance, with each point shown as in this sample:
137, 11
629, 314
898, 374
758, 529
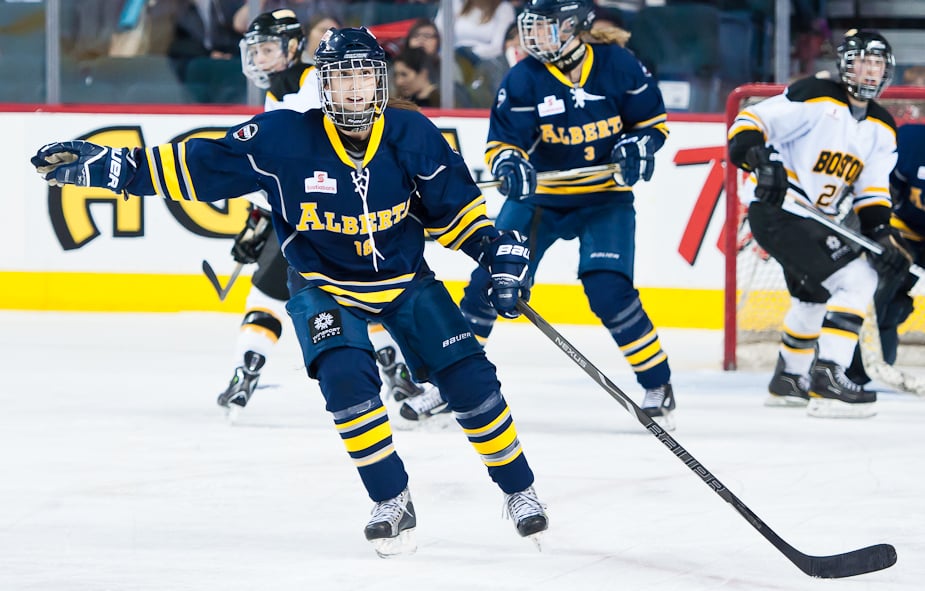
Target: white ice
117, 471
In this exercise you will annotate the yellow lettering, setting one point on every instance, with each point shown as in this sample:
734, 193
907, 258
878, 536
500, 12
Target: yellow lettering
330, 224
562, 137
547, 135
616, 124
590, 130
351, 226
603, 130
385, 219
575, 136
309, 216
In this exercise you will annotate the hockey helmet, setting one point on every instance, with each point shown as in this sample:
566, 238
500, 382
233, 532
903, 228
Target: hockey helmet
870, 48
351, 64
283, 29
547, 26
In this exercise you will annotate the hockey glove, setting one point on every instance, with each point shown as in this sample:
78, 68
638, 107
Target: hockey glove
896, 257
635, 159
770, 173
517, 175
507, 259
249, 243
85, 164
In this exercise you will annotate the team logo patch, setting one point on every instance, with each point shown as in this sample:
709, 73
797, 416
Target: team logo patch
837, 248
320, 182
325, 325
245, 133
550, 106
502, 96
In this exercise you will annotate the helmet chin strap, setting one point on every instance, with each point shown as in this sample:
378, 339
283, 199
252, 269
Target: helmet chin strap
567, 62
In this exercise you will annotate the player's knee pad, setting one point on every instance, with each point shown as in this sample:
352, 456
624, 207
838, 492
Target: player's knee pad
612, 297
852, 286
804, 319
466, 384
347, 377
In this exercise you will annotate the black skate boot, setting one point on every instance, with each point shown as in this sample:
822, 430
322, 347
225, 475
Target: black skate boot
397, 377
391, 526
787, 389
833, 395
424, 407
243, 383
527, 513
659, 405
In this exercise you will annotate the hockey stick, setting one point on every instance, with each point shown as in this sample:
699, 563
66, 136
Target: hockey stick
836, 566
552, 175
213, 278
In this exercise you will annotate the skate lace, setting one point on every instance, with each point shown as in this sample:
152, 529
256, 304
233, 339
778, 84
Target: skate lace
390, 510
842, 379
654, 397
523, 504
426, 402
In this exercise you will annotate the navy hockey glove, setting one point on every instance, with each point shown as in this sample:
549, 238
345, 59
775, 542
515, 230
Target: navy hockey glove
85, 164
517, 175
249, 243
635, 159
507, 258
896, 257
770, 173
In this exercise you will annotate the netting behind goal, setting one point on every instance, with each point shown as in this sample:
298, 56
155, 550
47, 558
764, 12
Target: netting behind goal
756, 297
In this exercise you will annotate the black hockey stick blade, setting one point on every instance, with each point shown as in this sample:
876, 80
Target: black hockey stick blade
837, 566
216, 284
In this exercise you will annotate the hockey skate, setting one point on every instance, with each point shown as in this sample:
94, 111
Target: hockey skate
527, 513
397, 377
242, 385
787, 389
390, 530
428, 409
659, 405
833, 395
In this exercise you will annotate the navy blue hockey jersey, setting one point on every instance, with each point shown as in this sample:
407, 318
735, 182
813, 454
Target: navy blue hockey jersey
356, 232
908, 179
563, 126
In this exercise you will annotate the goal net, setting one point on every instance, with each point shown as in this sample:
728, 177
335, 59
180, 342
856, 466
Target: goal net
756, 297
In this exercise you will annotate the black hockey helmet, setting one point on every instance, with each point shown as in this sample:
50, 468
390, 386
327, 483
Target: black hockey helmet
355, 55
547, 26
857, 45
280, 26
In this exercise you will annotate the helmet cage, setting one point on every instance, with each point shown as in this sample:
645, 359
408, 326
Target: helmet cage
279, 26
541, 36
350, 76
856, 49
249, 47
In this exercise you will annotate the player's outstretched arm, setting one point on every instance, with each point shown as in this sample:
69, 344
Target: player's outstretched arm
85, 164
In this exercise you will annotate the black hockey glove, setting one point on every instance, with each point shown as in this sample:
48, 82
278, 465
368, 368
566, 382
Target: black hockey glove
770, 173
896, 257
517, 175
85, 164
507, 259
635, 159
249, 243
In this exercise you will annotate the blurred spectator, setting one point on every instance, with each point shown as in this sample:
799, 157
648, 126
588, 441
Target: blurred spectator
513, 50
145, 27
914, 76
317, 27
411, 74
305, 10
424, 34
86, 27
479, 27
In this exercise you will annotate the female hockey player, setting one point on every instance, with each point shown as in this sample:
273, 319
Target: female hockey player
821, 142
352, 188
271, 57
574, 104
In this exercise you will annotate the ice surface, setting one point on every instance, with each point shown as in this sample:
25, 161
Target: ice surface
117, 471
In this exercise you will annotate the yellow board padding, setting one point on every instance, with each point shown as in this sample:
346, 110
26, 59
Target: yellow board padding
111, 292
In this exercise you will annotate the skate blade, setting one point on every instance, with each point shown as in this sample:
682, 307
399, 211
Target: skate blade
231, 412
537, 540
401, 545
777, 401
826, 408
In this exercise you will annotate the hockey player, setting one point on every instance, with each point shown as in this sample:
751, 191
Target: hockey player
271, 57
573, 104
820, 142
352, 188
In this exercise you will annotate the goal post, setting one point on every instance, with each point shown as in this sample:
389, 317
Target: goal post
755, 295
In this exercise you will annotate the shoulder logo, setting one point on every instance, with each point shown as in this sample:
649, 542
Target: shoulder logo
551, 106
502, 96
245, 133
321, 182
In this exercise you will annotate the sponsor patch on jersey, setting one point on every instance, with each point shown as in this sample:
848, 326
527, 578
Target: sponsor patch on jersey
321, 183
245, 133
550, 106
325, 325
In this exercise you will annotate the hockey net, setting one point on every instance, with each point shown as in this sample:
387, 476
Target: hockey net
756, 297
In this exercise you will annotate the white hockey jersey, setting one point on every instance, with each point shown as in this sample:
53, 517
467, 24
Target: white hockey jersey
828, 154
